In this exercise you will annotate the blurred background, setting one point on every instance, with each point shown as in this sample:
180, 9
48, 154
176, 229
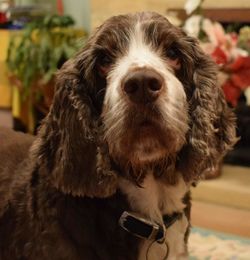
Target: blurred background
38, 36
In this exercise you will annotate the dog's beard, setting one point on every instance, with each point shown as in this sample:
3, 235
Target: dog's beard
146, 143
141, 141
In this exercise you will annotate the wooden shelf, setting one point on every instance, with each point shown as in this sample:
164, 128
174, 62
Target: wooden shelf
223, 15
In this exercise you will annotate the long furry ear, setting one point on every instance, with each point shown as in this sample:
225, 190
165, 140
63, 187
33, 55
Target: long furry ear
69, 148
212, 123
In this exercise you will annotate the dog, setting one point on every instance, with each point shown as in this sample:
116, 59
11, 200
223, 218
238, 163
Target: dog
137, 119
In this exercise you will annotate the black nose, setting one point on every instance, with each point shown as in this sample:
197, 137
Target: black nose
143, 85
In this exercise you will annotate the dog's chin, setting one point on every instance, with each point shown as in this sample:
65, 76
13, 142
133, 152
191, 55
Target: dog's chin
147, 147
147, 151
143, 145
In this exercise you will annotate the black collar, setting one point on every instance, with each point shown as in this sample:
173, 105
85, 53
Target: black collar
143, 228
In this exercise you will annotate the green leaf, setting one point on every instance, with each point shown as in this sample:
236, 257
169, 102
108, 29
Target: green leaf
41, 48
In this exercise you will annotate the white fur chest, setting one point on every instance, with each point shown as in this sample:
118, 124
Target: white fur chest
152, 201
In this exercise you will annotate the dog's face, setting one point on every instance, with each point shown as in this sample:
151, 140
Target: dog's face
145, 107
141, 93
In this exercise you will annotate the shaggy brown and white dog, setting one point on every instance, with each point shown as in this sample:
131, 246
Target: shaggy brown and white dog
137, 118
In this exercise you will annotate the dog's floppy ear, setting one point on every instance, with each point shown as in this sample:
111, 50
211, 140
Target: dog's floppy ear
212, 123
69, 146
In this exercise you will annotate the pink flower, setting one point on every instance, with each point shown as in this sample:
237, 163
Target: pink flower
214, 31
220, 43
234, 62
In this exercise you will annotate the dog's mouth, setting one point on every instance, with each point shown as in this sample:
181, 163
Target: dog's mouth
148, 135
146, 139
149, 123
146, 124
147, 127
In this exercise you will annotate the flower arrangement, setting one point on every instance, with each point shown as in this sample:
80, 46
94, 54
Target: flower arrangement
230, 50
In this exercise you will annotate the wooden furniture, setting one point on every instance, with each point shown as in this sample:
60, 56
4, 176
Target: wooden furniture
223, 15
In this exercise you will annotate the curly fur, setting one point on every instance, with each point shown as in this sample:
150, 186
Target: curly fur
62, 200
212, 129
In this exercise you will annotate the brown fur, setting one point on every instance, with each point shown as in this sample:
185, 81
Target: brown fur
61, 200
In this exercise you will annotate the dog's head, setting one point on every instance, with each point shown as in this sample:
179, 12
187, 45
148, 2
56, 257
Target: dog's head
141, 93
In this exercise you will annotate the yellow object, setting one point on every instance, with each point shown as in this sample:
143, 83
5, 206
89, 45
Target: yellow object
5, 88
22, 110
16, 100
10, 96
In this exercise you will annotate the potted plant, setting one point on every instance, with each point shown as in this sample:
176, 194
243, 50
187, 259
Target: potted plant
35, 54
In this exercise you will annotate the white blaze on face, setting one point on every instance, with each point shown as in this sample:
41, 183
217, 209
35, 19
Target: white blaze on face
171, 103
140, 54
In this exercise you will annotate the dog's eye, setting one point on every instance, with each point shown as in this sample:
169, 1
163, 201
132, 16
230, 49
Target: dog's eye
172, 53
173, 56
105, 61
104, 64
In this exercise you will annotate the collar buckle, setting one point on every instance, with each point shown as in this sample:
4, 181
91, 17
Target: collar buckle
141, 227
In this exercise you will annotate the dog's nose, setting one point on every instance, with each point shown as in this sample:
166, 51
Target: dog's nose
143, 85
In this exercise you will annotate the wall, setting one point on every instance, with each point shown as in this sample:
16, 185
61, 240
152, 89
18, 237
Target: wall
91, 13
102, 9
78, 9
